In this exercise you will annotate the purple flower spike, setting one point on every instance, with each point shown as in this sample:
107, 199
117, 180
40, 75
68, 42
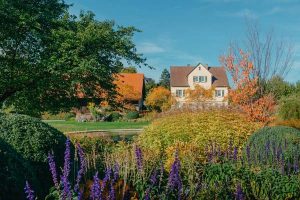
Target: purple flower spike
147, 195
116, 172
235, 153
153, 178
239, 195
66, 171
112, 195
52, 167
29, 192
82, 168
174, 181
106, 178
95, 190
139, 158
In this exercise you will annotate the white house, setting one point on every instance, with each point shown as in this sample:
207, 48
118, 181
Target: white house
186, 77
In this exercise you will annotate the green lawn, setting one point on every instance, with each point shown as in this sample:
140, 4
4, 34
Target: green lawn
69, 126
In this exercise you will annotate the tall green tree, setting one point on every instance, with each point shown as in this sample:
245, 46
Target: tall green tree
130, 70
149, 84
47, 56
165, 79
278, 87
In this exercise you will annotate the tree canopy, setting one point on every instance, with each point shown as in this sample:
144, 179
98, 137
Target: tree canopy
130, 69
159, 99
48, 55
165, 79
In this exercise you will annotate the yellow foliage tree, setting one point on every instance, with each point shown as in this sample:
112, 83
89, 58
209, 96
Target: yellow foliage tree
159, 99
126, 95
199, 94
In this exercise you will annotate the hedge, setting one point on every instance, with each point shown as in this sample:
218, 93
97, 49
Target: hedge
33, 140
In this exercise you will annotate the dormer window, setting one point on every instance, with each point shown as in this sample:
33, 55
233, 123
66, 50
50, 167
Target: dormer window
199, 79
195, 79
203, 79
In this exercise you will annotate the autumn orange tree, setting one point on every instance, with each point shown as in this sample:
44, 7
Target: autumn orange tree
126, 95
199, 94
159, 99
245, 93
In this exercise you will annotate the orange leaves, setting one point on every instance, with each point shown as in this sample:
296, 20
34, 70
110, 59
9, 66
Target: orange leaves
127, 93
159, 99
199, 94
245, 92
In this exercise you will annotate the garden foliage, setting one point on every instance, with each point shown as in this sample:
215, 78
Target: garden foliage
159, 99
33, 140
275, 147
197, 130
246, 91
132, 115
14, 171
295, 123
289, 107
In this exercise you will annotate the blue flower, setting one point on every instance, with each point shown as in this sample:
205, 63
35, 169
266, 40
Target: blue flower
66, 171
95, 189
52, 167
29, 192
82, 168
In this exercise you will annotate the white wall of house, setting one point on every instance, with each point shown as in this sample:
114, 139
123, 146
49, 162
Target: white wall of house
200, 71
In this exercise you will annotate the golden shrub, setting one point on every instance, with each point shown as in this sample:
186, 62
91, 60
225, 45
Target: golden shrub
192, 132
295, 123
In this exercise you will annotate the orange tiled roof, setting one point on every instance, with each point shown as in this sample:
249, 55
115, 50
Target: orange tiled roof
134, 80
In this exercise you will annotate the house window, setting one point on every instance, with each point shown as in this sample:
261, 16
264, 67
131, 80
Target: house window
180, 93
203, 79
219, 93
195, 79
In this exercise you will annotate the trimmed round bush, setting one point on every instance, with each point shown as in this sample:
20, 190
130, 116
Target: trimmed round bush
33, 140
132, 115
14, 172
278, 146
197, 130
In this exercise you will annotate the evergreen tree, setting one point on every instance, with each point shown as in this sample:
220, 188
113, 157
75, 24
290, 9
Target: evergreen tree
165, 79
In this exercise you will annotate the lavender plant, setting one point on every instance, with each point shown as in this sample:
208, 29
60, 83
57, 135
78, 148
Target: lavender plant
29, 192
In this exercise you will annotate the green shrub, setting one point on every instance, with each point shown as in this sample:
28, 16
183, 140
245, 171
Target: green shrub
14, 172
114, 116
289, 107
60, 116
132, 115
33, 140
273, 146
221, 181
197, 130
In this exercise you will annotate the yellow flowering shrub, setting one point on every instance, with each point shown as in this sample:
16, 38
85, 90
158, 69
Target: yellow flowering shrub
192, 132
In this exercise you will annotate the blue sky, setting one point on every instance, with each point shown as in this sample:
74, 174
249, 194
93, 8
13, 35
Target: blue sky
181, 32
